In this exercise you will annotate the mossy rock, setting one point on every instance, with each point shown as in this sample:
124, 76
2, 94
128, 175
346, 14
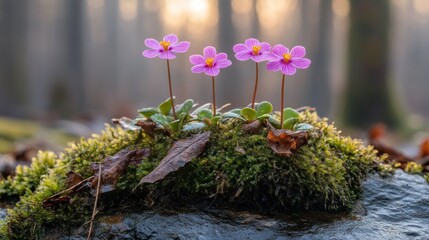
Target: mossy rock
324, 174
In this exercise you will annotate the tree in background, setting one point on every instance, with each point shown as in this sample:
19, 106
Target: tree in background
368, 96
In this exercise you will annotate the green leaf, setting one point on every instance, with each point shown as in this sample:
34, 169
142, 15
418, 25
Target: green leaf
204, 113
248, 113
192, 126
165, 107
205, 106
274, 121
302, 127
289, 123
160, 119
148, 112
264, 116
236, 111
169, 119
185, 107
215, 120
175, 125
232, 115
263, 108
290, 113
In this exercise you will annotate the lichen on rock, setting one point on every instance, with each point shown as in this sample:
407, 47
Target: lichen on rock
236, 168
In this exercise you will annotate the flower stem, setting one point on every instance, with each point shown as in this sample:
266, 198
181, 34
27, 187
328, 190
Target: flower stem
256, 86
281, 102
214, 96
171, 91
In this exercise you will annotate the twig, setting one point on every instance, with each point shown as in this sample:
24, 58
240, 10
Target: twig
94, 211
70, 188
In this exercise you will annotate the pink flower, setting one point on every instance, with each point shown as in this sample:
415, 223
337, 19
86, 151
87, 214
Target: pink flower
287, 62
210, 63
166, 48
252, 49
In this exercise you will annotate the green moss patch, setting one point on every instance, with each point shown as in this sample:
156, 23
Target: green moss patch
236, 167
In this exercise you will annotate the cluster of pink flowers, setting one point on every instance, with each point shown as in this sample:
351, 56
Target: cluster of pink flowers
279, 58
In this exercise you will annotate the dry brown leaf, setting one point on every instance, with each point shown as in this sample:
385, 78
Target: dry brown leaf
147, 126
52, 202
73, 179
182, 152
424, 148
113, 167
393, 154
283, 141
252, 127
377, 131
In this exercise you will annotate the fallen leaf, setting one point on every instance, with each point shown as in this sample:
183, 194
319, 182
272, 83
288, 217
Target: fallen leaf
147, 126
113, 167
126, 123
377, 131
393, 154
284, 141
74, 184
424, 148
182, 152
73, 179
252, 127
52, 202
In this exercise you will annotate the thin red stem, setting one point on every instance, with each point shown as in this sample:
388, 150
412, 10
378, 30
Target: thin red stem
171, 90
214, 96
256, 87
281, 101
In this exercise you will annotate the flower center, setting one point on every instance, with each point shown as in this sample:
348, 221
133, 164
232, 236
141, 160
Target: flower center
209, 62
256, 49
287, 57
165, 45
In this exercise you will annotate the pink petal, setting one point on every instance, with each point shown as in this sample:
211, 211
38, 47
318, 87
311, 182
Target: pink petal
221, 56
171, 38
297, 52
167, 55
223, 63
240, 47
258, 58
274, 57
251, 42
274, 65
288, 69
152, 43
181, 47
213, 71
243, 56
280, 50
301, 63
265, 47
197, 59
150, 53
209, 52
199, 68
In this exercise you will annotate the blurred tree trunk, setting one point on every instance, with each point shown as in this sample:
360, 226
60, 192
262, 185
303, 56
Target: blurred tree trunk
320, 95
368, 98
227, 90
74, 53
13, 25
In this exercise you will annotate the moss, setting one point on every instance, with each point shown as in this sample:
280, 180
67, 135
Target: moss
26, 179
326, 173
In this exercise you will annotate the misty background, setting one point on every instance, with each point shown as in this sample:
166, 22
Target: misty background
81, 59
